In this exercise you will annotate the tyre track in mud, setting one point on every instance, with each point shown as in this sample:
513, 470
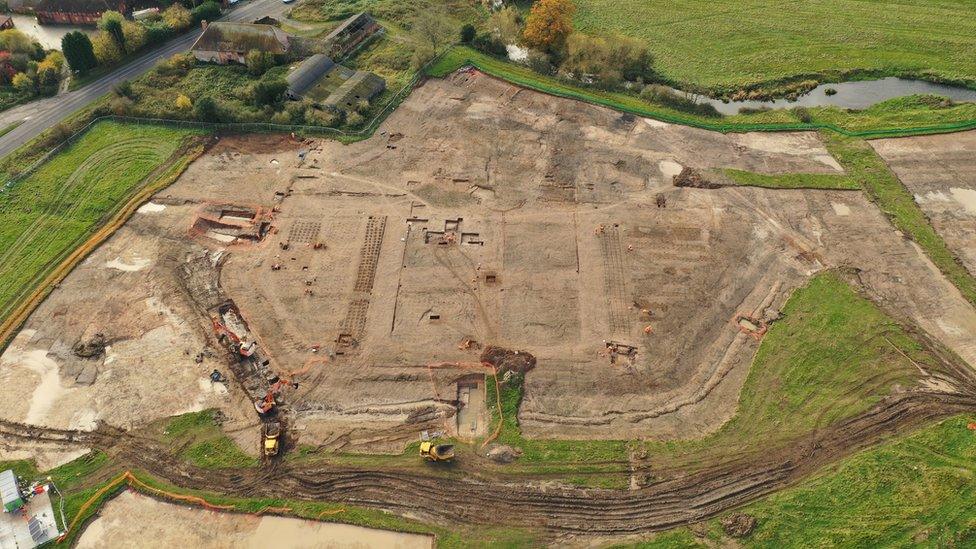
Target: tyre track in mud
677, 499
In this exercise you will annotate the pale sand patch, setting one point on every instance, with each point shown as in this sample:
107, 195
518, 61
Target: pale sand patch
840, 208
966, 197
135, 264
669, 169
151, 207
131, 516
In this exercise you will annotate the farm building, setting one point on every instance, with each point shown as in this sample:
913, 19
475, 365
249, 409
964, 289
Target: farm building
350, 34
361, 85
325, 83
224, 43
308, 74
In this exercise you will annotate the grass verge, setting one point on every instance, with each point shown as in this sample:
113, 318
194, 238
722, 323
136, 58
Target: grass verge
863, 164
793, 180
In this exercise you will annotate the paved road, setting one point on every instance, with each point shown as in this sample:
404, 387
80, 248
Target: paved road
40, 115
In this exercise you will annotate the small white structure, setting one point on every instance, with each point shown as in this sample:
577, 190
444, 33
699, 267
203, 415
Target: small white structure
26, 521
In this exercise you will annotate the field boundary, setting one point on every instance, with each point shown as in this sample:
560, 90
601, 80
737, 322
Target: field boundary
551, 86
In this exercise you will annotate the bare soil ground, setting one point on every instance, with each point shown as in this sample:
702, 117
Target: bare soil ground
479, 212
940, 170
132, 518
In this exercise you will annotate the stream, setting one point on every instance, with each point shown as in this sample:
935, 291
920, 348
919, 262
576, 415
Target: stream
850, 95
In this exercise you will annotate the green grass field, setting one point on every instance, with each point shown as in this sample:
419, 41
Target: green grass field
49, 213
727, 44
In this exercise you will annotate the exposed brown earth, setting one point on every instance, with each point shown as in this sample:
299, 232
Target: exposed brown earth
940, 170
378, 276
479, 213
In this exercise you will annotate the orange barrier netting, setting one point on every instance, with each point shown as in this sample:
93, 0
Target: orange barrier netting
129, 478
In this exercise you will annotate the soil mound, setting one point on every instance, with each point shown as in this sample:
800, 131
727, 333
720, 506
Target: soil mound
507, 360
93, 348
739, 525
690, 177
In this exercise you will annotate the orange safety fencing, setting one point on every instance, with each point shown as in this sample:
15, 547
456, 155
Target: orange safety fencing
133, 482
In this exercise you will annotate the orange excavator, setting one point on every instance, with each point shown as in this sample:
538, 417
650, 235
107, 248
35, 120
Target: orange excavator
245, 349
265, 405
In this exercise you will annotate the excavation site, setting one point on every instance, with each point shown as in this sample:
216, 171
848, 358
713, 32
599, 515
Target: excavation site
337, 305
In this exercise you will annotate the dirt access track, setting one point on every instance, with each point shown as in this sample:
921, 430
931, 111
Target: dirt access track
482, 212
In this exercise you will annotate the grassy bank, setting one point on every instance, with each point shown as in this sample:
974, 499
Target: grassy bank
51, 211
792, 180
200, 441
728, 44
864, 165
916, 491
832, 356
914, 115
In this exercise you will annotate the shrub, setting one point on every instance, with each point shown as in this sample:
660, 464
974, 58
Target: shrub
268, 92
670, 98
803, 114
24, 83
467, 33
489, 43
49, 72
207, 11
124, 89
326, 118
362, 106
183, 102
206, 110
120, 106
106, 50
157, 33
421, 55
282, 118
177, 18
258, 62
296, 112
135, 36
15, 41
177, 65
354, 119
111, 23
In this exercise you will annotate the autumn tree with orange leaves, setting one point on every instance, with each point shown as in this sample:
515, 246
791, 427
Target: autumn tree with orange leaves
549, 23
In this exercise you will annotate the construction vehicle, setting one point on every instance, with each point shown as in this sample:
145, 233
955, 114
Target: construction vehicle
265, 405
235, 343
436, 452
271, 436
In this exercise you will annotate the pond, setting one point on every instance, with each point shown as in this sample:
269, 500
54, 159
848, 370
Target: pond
48, 35
850, 95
